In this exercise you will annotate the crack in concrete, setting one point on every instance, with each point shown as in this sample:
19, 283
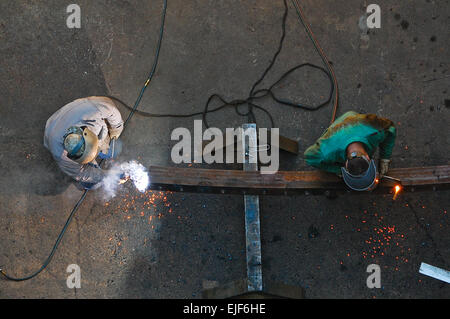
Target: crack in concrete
428, 235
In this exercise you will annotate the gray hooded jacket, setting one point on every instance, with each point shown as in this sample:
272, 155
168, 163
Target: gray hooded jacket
97, 113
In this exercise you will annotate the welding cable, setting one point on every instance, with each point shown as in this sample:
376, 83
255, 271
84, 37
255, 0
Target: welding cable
155, 63
58, 240
255, 95
83, 196
269, 92
322, 54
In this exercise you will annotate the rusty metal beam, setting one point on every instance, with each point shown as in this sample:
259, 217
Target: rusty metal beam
286, 182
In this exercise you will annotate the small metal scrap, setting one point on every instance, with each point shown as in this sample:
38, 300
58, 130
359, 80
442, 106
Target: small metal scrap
435, 272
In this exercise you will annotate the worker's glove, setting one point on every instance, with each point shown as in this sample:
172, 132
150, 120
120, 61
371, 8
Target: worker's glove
384, 166
107, 156
114, 149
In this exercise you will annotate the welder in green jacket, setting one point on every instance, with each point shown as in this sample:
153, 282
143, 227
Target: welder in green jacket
347, 148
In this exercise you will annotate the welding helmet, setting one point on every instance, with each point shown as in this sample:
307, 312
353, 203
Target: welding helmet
81, 144
361, 181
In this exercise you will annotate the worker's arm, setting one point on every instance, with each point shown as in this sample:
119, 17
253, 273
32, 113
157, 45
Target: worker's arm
387, 144
315, 158
85, 173
110, 114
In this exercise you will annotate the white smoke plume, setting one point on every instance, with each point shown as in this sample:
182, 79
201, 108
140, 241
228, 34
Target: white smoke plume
131, 170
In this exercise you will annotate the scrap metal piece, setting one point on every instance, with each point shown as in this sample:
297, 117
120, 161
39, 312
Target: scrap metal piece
435, 272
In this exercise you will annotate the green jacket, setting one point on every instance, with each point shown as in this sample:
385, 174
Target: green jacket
329, 151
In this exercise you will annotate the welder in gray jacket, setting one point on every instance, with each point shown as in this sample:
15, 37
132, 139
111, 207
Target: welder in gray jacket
80, 132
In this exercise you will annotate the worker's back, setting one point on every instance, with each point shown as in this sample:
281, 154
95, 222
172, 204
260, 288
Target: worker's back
97, 113
329, 151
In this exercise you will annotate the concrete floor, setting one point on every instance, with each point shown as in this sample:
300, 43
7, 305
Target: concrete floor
161, 245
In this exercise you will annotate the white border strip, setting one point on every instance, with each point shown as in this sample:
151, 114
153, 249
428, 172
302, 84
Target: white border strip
435, 272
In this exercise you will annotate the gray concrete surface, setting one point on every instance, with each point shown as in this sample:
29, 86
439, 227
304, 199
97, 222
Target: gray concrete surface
157, 245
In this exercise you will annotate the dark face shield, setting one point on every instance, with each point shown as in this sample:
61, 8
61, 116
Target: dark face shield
363, 182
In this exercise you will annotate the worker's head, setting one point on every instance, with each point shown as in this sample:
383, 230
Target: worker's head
359, 171
81, 144
357, 165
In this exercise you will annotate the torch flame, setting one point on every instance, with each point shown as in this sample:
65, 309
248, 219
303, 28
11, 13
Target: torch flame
397, 189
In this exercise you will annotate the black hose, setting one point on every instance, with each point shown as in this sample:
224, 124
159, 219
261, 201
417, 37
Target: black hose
257, 94
49, 258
